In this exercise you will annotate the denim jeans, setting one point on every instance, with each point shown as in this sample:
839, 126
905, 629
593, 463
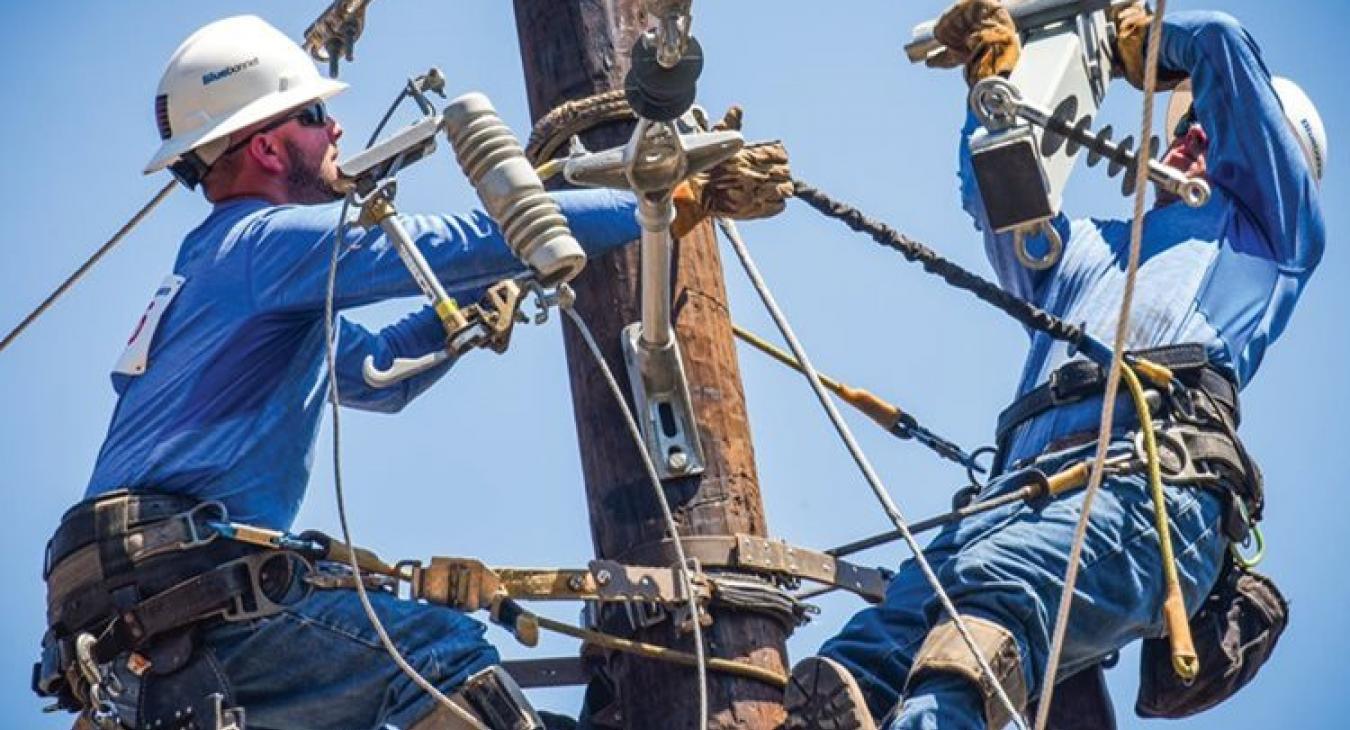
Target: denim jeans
1008, 566
318, 665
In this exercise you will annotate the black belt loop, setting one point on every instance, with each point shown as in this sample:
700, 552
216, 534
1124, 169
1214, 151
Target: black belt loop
110, 531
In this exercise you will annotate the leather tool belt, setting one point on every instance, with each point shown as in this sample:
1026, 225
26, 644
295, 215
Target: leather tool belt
140, 572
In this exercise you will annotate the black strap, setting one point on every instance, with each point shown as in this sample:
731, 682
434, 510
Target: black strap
1080, 379
98, 517
188, 602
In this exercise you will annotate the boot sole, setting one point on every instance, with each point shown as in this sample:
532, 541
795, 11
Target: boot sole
822, 695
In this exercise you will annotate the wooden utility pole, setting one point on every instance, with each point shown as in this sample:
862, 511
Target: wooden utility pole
572, 49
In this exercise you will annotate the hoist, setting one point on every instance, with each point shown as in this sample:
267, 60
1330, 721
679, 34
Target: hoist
1036, 121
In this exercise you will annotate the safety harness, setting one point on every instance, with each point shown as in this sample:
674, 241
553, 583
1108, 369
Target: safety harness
137, 575
1195, 421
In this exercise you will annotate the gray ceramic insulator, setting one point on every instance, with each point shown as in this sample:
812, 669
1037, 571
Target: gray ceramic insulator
511, 190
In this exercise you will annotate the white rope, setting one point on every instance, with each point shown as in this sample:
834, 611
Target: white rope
1113, 377
330, 339
655, 481
887, 504
695, 610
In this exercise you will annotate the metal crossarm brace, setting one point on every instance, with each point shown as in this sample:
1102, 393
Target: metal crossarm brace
776, 557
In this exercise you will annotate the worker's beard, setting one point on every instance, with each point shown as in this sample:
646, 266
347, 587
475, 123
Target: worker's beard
305, 182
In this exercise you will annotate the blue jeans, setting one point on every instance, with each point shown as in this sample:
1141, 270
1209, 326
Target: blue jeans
319, 664
1008, 566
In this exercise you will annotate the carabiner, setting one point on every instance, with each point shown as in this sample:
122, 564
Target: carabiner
1255, 535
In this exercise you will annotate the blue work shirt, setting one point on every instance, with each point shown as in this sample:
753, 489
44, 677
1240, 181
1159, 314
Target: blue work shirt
227, 402
1226, 274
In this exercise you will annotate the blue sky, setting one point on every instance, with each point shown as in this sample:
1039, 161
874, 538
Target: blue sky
860, 122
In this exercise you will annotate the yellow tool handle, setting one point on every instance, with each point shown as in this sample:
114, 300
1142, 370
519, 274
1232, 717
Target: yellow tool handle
1070, 478
864, 400
255, 535
1185, 662
1157, 374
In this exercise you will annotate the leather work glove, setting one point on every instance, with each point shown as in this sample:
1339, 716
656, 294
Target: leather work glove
464, 584
753, 183
1132, 27
980, 35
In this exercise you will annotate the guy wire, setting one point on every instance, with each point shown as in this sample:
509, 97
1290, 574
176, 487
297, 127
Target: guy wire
888, 505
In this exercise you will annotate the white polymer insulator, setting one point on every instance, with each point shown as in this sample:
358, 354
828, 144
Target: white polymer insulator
493, 160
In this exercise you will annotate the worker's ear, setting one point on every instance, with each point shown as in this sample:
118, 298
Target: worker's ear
268, 153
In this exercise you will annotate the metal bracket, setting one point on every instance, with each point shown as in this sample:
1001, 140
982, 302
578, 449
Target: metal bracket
655, 159
662, 404
231, 718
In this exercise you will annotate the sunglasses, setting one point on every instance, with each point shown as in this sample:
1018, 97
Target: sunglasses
190, 169
310, 115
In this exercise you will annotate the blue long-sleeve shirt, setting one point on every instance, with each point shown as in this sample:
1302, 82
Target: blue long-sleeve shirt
228, 403
1227, 274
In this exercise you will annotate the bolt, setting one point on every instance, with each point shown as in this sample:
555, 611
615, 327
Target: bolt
678, 461
575, 583
603, 577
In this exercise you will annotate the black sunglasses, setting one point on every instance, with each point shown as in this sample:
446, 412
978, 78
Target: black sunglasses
310, 115
190, 169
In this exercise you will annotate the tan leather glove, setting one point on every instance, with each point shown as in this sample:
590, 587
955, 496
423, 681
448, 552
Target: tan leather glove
753, 183
980, 35
465, 584
1132, 26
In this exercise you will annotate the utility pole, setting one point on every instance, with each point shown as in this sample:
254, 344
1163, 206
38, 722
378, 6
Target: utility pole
572, 49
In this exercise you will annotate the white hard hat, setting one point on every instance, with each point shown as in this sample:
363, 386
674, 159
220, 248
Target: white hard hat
1304, 121
226, 76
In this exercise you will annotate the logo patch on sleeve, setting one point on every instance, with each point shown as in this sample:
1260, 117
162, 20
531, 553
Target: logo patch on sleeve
136, 358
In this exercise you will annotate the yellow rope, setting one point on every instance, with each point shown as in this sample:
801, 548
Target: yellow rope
1184, 660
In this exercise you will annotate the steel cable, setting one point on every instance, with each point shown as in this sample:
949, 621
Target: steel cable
330, 340
1113, 375
655, 480
888, 505
334, 397
88, 264
953, 274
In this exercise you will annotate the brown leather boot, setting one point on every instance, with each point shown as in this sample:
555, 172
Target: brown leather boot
823, 695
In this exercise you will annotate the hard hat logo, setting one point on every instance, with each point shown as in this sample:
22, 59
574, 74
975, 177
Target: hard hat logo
228, 71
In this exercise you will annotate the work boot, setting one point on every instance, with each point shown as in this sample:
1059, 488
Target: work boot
822, 695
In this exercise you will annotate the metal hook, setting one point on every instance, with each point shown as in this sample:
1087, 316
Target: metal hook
1052, 254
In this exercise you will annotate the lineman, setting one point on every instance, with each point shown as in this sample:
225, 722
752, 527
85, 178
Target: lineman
220, 397
1225, 277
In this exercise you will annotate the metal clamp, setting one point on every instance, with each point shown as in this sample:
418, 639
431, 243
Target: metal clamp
655, 159
231, 718
103, 685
